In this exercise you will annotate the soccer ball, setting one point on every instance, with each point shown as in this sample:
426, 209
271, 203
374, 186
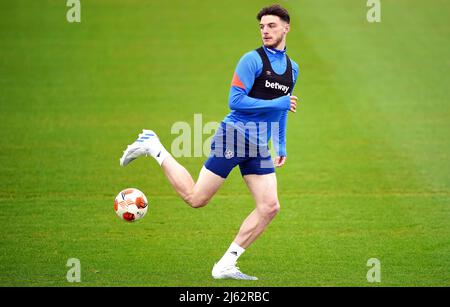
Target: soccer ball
131, 205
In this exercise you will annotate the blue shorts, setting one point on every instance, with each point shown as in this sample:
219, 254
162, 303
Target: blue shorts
230, 148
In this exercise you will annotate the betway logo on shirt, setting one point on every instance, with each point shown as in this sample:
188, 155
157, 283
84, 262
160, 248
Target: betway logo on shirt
277, 86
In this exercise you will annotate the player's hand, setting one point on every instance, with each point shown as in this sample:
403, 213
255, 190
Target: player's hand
293, 104
279, 161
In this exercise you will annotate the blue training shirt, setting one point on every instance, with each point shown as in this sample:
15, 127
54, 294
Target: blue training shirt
245, 109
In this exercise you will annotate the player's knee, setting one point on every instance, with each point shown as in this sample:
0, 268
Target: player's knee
195, 201
271, 208
199, 203
275, 208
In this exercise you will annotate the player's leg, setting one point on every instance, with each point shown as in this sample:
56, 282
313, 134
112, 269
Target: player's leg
262, 184
196, 194
264, 191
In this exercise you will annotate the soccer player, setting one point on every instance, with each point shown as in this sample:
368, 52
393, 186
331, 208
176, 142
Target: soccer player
260, 98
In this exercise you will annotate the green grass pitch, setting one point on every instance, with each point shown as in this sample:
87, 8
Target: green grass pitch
368, 168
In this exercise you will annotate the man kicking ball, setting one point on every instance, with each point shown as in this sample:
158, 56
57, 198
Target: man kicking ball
260, 98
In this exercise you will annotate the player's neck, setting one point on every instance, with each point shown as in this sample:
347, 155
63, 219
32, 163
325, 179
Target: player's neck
276, 50
280, 47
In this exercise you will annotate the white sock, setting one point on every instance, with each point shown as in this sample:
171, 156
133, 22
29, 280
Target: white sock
159, 157
231, 255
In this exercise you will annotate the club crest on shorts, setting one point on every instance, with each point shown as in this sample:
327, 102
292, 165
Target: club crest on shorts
229, 153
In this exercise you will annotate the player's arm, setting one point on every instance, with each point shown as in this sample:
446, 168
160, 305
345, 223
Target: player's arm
280, 139
246, 71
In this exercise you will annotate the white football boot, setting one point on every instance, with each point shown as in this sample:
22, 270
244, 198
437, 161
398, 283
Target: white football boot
147, 144
230, 272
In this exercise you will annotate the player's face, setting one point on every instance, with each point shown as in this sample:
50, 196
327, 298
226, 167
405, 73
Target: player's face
273, 31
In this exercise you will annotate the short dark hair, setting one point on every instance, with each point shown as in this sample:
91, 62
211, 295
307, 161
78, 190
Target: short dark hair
276, 10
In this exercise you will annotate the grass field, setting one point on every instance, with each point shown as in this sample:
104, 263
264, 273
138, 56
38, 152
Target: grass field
368, 169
